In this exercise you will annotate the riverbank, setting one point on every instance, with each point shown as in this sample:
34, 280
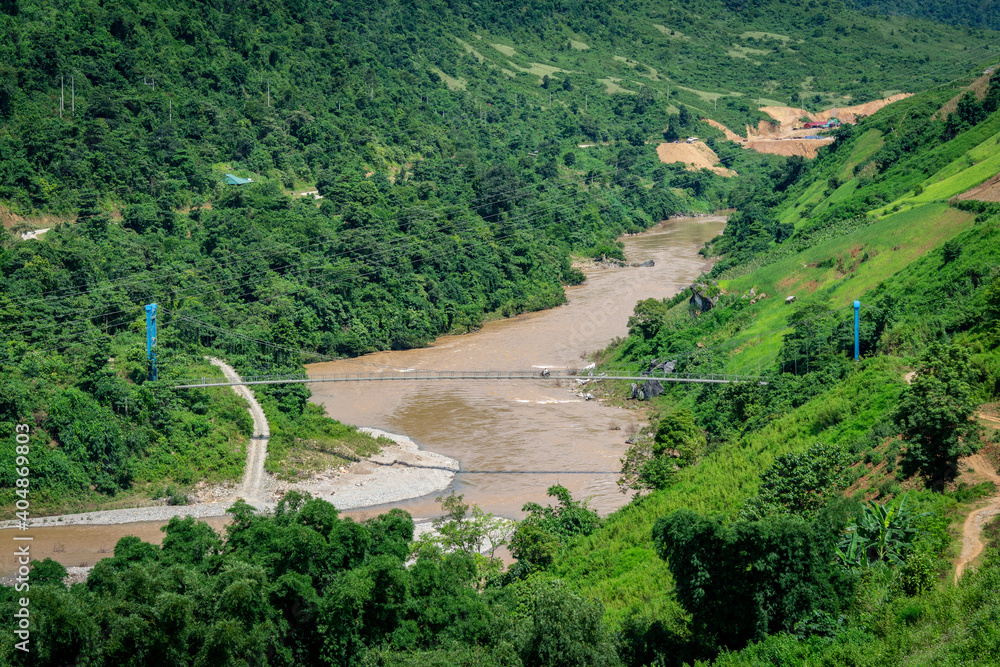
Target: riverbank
517, 439
399, 472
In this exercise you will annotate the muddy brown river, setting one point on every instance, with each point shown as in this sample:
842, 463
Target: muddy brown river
513, 439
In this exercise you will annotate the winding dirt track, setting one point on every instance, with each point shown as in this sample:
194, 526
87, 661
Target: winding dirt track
972, 544
252, 486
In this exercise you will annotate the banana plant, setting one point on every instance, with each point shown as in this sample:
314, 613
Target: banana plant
883, 533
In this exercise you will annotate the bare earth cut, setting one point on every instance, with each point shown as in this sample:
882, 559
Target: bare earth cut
784, 136
972, 543
695, 155
988, 191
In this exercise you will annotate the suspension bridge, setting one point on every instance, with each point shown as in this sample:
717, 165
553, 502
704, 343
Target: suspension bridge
386, 374
423, 376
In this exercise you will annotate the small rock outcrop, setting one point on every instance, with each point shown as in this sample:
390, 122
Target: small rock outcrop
657, 365
647, 390
704, 296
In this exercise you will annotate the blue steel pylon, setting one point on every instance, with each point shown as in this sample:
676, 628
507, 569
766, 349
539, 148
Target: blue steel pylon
151, 339
857, 321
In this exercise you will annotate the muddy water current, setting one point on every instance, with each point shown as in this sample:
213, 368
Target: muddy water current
513, 439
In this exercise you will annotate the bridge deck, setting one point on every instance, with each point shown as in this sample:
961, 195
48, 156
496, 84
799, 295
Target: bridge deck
463, 375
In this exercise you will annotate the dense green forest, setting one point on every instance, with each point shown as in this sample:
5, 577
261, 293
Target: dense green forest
974, 13
461, 156
464, 154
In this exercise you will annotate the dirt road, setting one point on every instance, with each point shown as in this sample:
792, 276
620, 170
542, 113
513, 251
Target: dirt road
251, 488
972, 543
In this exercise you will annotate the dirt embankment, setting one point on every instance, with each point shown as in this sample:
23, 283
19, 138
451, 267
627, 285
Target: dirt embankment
978, 87
789, 117
9, 219
732, 136
780, 136
806, 148
696, 155
988, 191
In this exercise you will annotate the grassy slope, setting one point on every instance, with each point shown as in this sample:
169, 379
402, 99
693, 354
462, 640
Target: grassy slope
617, 563
861, 260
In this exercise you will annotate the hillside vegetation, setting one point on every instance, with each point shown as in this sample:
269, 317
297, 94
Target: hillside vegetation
463, 154
442, 205
954, 12
926, 269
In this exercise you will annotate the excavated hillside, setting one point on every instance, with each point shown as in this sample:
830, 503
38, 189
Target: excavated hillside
695, 155
786, 136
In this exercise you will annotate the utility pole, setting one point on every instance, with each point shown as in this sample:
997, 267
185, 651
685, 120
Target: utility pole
170, 110
62, 95
586, 98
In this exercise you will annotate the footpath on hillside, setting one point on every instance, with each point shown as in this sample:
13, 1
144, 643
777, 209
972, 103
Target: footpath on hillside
972, 529
251, 488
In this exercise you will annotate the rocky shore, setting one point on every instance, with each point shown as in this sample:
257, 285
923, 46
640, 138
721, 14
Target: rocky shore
398, 472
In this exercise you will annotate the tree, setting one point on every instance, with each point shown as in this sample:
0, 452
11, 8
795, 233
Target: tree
797, 483
685, 118
934, 412
468, 529
651, 464
533, 545
550, 625
648, 317
993, 298
883, 533
749, 579
190, 542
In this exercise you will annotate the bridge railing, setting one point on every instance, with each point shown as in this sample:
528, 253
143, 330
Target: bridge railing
584, 376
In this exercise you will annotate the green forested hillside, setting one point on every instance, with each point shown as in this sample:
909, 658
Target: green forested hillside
166, 97
463, 153
879, 222
974, 13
